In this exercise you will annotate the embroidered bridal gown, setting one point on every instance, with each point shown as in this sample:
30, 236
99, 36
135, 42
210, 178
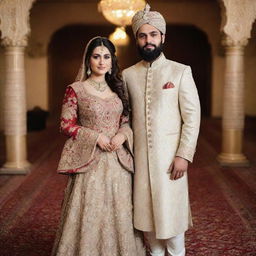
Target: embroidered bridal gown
97, 209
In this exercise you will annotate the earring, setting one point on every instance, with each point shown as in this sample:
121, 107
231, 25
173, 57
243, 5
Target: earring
89, 71
110, 71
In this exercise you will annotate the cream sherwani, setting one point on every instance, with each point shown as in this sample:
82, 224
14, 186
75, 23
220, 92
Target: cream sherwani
165, 123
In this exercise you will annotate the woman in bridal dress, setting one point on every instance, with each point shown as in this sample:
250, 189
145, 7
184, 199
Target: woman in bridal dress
97, 209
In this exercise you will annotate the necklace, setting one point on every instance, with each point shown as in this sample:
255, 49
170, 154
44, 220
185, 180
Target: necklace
99, 86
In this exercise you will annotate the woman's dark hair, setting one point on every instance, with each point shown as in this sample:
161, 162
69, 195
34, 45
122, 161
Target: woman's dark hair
114, 79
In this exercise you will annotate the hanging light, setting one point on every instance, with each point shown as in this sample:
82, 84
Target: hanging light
120, 12
119, 37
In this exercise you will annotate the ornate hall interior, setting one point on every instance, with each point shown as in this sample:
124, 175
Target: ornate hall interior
42, 42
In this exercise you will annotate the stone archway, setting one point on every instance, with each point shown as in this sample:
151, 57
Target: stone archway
185, 44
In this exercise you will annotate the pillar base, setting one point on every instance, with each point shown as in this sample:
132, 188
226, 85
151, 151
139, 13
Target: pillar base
9, 171
12, 169
236, 160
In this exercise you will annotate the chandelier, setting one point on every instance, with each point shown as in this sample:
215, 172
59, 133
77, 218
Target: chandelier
120, 12
119, 37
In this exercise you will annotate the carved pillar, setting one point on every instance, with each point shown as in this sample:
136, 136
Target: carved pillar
15, 28
239, 17
233, 107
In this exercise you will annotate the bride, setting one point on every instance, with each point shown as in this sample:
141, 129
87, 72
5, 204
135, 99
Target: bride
97, 210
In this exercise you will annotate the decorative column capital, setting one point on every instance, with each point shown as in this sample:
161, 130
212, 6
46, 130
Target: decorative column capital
14, 21
11, 42
228, 42
237, 20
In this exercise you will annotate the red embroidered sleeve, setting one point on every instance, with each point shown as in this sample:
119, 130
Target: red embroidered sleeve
68, 120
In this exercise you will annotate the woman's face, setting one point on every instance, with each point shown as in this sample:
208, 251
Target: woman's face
100, 61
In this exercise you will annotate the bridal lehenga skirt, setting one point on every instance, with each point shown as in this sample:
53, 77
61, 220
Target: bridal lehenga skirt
97, 213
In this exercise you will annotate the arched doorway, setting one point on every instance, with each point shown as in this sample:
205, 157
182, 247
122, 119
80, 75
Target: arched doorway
65, 53
190, 46
185, 44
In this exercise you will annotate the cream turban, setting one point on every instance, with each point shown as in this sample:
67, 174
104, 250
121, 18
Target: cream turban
148, 17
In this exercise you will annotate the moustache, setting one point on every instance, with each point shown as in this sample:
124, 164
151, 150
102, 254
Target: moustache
149, 44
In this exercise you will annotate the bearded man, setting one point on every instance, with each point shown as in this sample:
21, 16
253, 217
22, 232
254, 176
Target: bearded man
165, 121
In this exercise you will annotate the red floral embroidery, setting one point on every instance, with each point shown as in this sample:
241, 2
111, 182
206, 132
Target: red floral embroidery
68, 124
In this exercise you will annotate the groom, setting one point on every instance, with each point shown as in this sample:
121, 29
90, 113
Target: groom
165, 121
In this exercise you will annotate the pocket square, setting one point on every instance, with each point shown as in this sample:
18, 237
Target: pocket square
168, 85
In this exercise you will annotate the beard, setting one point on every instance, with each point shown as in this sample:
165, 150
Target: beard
150, 55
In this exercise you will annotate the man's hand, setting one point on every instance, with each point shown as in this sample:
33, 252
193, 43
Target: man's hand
104, 142
117, 141
178, 167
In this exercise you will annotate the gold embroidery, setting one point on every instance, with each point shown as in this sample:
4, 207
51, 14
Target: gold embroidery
97, 210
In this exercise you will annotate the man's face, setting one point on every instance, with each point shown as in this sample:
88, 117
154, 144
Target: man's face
149, 41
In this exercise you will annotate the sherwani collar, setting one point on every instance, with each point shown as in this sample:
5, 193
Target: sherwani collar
160, 60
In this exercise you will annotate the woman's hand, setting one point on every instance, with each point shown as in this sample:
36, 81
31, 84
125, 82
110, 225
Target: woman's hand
117, 141
104, 142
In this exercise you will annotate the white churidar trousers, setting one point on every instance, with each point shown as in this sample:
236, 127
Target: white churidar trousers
175, 245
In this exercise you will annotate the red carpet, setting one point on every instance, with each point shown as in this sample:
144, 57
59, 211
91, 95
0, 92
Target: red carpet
223, 200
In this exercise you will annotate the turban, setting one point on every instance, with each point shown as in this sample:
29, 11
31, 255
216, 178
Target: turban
145, 16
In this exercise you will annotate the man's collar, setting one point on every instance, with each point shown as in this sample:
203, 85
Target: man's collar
155, 63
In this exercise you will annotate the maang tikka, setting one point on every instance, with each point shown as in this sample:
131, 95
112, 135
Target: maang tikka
101, 45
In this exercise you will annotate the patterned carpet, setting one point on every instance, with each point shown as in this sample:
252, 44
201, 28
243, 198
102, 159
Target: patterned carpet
223, 199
